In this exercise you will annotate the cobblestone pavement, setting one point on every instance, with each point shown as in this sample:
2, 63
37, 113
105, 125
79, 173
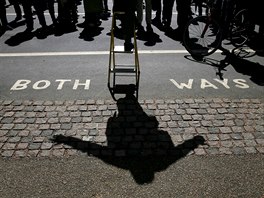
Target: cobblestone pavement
123, 128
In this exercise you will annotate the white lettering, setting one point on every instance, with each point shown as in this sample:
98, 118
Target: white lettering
77, 83
205, 83
45, 85
241, 83
182, 85
20, 85
62, 81
223, 82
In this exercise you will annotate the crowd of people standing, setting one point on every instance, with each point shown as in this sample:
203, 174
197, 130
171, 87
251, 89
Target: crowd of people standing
67, 10
94, 9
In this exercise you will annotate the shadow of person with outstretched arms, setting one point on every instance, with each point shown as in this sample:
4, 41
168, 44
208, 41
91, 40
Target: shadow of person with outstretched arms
134, 143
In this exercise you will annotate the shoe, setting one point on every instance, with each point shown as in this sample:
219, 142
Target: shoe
149, 29
178, 34
28, 30
7, 27
156, 22
166, 26
18, 18
128, 46
140, 30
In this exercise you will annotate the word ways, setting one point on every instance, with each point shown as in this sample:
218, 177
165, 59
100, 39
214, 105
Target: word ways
239, 83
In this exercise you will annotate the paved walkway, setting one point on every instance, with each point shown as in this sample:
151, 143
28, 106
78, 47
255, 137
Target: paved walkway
130, 128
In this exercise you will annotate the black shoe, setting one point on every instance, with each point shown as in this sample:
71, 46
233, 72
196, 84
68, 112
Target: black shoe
29, 29
7, 27
149, 29
156, 22
140, 28
166, 27
18, 18
178, 34
128, 46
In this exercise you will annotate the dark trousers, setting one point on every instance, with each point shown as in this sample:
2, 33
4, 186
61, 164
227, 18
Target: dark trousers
184, 12
128, 20
38, 5
27, 7
17, 8
156, 5
167, 11
3, 13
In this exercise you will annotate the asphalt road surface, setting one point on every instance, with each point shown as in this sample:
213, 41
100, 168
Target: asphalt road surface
193, 176
69, 67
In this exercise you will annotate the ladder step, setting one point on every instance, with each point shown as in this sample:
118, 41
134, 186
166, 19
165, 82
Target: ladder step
121, 49
119, 12
123, 70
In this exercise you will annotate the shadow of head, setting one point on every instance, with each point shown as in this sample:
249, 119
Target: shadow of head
19, 38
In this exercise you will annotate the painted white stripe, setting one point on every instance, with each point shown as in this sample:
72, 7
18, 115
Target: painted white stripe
45, 13
81, 53
80, 13
87, 53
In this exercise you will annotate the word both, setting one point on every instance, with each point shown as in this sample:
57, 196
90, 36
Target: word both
59, 84
215, 84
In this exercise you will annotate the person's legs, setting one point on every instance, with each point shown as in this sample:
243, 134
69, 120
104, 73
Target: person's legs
167, 12
127, 21
157, 7
106, 9
129, 24
27, 7
183, 9
52, 11
139, 9
3, 13
17, 9
148, 15
38, 5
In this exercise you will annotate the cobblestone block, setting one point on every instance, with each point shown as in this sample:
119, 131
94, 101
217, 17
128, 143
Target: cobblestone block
250, 150
34, 146
22, 146
45, 153
260, 149
3, 132
7, 153
46, 145
20, 153
7, 126
224, 150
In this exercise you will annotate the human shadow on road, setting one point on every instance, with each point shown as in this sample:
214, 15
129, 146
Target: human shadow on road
40, 33
134, 143
19, 38
89, 33
150, 38
241, 65
246, 67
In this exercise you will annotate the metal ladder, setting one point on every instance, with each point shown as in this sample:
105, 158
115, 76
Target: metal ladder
120, 75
